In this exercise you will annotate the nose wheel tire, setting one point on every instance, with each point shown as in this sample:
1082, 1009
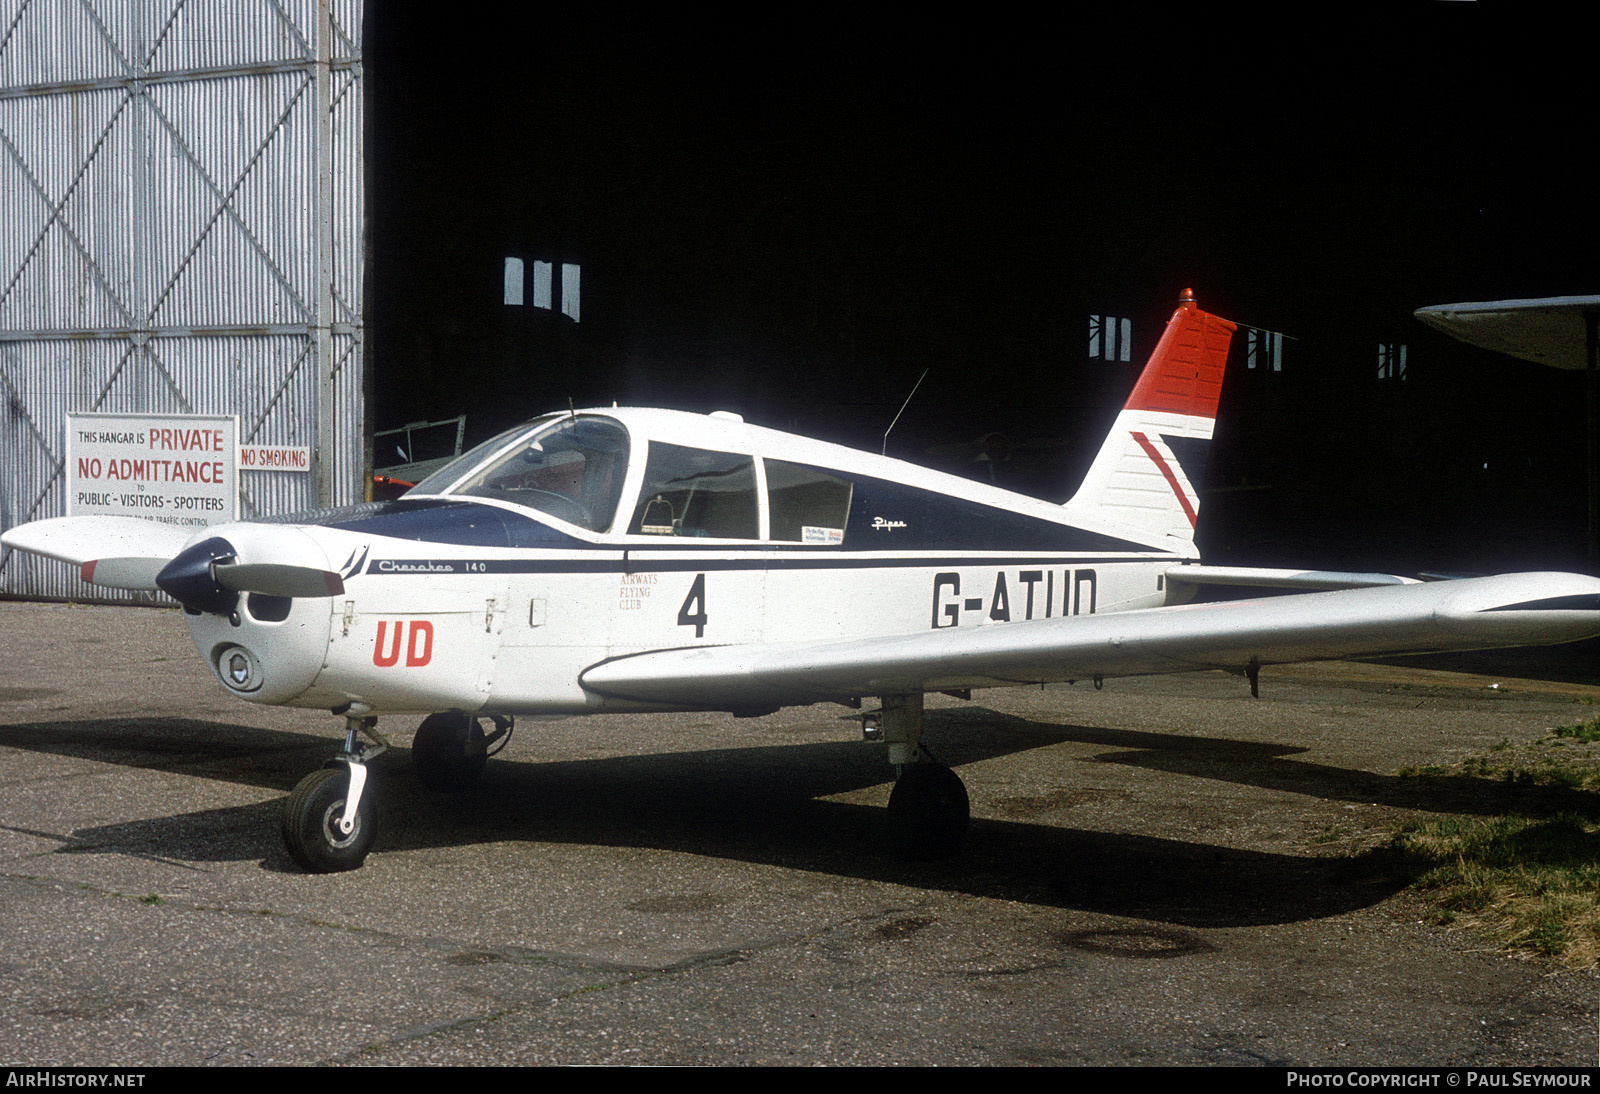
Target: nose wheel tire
311, 830
928, 812
449, 751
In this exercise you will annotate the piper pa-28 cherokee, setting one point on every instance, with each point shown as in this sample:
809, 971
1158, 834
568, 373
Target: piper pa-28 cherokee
620, 560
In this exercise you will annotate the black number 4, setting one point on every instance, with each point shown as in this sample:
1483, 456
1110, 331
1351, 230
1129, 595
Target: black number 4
696, 598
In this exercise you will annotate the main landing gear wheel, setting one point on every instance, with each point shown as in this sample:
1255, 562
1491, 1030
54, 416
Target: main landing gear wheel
311, 829
928, 812
449, 751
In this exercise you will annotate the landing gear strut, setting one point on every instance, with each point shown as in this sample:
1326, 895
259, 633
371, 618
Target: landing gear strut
328, 822
928, 809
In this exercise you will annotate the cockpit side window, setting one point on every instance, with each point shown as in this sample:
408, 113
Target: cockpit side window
695, 492
571, 469
805, 504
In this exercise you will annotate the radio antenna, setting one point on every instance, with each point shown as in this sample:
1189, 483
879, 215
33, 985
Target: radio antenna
885, 450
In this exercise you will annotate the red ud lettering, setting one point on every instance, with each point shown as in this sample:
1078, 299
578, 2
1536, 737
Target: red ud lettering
379, 658
422, 630
419, 650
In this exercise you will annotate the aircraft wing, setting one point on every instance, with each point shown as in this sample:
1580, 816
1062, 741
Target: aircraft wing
1472, 613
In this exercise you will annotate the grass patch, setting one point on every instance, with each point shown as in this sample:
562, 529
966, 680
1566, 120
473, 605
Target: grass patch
1583, 731
1525, 869
1331, 834
1533, 883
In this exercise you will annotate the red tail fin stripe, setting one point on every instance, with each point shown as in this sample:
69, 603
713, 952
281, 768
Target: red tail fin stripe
1166, 472
1189, 362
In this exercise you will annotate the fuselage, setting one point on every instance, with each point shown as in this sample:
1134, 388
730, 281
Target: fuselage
582, 537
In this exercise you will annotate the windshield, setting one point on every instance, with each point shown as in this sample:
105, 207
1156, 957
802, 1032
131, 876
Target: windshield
569, 467
451, 473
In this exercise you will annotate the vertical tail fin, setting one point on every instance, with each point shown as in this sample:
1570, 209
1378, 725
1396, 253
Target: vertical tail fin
1148, 473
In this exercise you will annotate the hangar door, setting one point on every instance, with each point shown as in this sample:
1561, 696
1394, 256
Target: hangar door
183, 234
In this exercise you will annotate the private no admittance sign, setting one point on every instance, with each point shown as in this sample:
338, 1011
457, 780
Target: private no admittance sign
174, 468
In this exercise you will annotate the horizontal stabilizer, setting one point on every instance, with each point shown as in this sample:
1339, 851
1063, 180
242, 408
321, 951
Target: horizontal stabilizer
1261, 577
116, 552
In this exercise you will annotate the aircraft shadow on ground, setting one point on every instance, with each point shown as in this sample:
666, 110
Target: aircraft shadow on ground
763, 805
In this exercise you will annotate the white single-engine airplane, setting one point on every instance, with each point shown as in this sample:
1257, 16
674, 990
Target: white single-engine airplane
618, 560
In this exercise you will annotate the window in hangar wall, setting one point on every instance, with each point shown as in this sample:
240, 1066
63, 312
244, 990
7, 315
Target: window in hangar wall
546, 285
1263, 349
1391, 361
1110, 338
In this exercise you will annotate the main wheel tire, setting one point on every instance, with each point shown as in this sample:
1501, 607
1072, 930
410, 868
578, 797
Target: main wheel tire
311, 824
928, 812
448, 751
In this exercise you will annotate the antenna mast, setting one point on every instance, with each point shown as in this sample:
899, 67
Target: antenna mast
884, 451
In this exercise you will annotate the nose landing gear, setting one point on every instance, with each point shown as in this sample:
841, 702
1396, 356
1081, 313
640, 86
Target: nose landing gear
313, 824
328, 822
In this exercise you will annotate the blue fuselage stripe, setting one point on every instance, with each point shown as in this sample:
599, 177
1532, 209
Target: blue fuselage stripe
618, 563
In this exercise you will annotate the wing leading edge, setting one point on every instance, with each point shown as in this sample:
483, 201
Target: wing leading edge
1472, 613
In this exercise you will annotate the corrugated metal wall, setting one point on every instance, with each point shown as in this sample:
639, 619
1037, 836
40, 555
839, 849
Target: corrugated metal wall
182, 232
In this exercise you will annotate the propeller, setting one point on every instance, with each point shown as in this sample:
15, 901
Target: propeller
208, 576
132, 553
278, 579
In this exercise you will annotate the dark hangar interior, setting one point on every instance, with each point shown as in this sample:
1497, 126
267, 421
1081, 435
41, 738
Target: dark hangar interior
796, 215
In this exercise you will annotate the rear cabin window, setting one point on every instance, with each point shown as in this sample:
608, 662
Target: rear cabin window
694, 492
806, 505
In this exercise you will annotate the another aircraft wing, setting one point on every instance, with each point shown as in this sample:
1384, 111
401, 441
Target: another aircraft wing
1552, 330
131, 553
117, 552
1472, 613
